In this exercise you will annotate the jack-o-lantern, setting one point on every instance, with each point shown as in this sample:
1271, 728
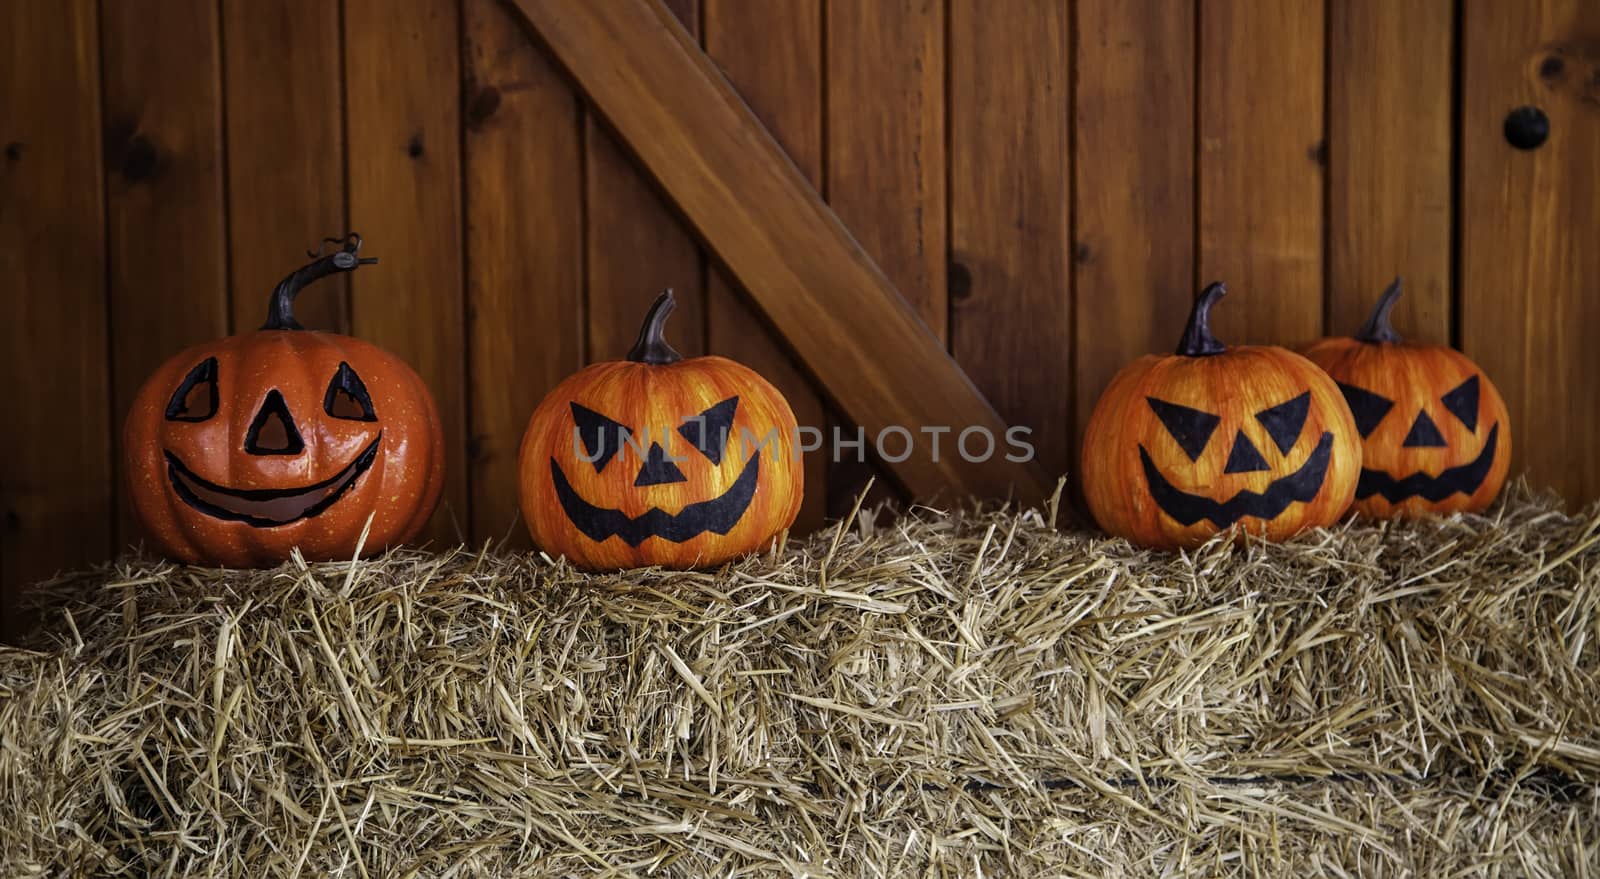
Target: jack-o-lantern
1436, 437
238, 450
658, 460
1182, 447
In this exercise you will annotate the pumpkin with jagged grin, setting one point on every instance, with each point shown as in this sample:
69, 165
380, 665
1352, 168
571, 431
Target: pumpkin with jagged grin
660, 460
1213, 438
240, 450
1436, 437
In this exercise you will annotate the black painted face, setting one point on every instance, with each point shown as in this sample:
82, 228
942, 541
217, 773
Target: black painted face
1193, 431
273, 431
1461, 403
603, 438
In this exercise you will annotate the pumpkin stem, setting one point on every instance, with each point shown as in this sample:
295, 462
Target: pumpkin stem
1197, 340
652, 347
1377, 328
280, 308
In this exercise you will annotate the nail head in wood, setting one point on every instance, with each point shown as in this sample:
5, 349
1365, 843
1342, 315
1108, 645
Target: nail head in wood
1527, 128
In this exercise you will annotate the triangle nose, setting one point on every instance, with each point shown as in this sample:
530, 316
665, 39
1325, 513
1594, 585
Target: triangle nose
1424, 433
1245, 457
658, 470
273, 431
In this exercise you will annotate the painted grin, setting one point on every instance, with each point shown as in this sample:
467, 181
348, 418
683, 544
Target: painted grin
1300, 486
1465, 478
264, 508
717, 515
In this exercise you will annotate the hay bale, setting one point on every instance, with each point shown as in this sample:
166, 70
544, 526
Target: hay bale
958, 692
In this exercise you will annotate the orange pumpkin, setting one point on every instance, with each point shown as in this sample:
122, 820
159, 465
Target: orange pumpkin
1182, 447
658, 460
1436, 437
238, 450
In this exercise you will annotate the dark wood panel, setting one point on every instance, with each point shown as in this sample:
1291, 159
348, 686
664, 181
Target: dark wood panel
637, 244
1010, 210
772, 53
1133, 195
524, 250
1389, 211
1529, 261
402, 87
886, 150
55, 488
286, 190
1261, 166
167, 222
886, 167
767, 225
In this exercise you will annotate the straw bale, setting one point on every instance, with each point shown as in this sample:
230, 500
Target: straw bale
967, 691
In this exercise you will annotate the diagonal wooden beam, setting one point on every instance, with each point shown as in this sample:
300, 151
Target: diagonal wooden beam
757, 212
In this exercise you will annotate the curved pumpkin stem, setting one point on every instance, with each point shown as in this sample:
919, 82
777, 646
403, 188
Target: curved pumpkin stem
652, 347
1377, 328
1197, 339
280, 308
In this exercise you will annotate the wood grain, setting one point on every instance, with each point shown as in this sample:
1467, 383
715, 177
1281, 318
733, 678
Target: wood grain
1010, 211
1260, 167
281, 76
524, 250
402, 86
1133, 193
886, 167
886, 151
755, 208
166, 220
1389, 211
55, 488
637, 243
1529, 261
781, 81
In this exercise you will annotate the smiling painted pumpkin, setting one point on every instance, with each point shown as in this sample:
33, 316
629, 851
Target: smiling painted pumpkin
1185, 446
658, 460
1436, 437
241, 449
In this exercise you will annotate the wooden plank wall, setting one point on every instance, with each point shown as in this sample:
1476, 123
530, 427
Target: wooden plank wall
1047, 182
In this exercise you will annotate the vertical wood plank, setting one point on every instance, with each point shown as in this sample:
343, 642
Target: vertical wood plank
1529, 261
1010, 210
772, 53
164, 188
637, 243
1389, 109
281, 73
1261, 172
1133, 195
402, 78
886, 166
55, 489
886, 151
524, 250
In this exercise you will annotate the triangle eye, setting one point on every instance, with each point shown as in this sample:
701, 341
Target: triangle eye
602, 438
347, 396
1367, 407
196, 397
1285, 421
1462, 402
708, 432
1191, 428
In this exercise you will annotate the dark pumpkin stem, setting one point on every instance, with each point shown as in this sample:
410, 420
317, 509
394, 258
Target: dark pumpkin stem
280, 309
652, 347
1197, 339
1377, 328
